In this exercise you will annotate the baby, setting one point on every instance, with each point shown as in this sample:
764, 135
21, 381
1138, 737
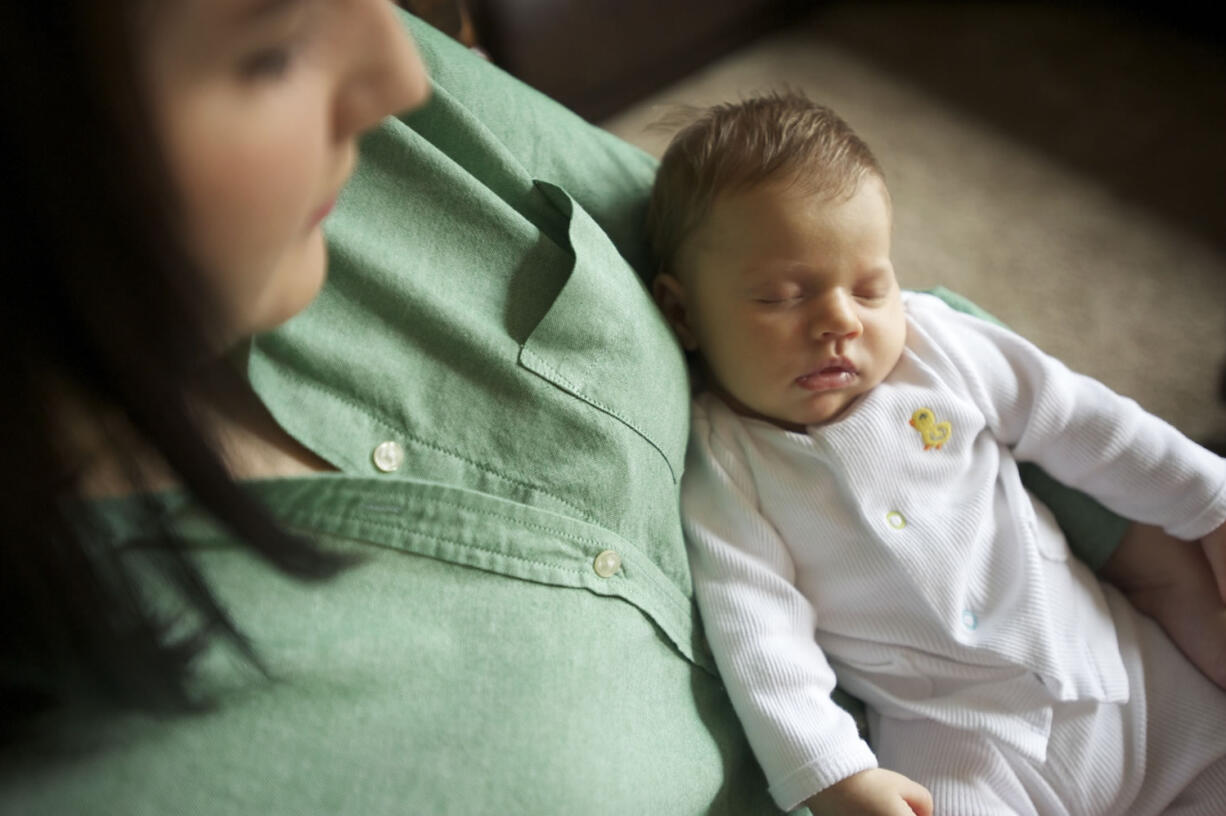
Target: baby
854, 509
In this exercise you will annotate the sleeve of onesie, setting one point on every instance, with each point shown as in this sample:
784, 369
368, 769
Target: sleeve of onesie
761, 627
1080, 431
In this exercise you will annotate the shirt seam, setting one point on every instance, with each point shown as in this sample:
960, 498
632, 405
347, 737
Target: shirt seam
666, 588
569, 385
677, 624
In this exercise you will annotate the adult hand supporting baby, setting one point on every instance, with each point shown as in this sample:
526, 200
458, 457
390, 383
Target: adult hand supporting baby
1214, 546
1180, 585
875, 792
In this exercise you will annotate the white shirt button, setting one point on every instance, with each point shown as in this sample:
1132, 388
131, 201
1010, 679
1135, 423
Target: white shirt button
388, 456
970, 620
896, 519
607, 564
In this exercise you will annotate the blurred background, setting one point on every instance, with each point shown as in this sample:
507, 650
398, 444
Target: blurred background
1063, 165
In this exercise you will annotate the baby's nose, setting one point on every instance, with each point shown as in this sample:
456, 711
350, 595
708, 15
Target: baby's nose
835, 316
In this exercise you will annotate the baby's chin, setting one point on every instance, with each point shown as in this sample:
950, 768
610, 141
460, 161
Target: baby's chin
825, 409
816, 409
788, 421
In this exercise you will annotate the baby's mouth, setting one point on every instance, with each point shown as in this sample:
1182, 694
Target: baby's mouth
834, 374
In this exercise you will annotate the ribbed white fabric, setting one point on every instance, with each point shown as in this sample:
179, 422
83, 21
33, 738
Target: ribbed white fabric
1162, 753
929, 579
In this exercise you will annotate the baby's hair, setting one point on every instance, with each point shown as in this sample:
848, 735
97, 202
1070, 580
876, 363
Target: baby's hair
735, 146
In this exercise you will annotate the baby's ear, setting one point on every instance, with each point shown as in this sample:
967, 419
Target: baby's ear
669, 293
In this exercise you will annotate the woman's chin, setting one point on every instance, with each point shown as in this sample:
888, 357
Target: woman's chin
296, 285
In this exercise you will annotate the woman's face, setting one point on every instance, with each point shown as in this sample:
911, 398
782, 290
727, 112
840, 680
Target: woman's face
258, 104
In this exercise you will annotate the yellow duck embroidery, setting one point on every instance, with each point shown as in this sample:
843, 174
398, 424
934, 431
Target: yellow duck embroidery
935, 433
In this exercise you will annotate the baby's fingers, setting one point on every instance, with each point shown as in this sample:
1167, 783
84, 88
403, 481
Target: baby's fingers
918, 797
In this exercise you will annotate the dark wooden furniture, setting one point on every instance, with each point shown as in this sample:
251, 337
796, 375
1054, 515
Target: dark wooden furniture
597, 56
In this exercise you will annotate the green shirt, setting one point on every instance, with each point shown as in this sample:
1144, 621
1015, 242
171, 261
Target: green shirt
508, 412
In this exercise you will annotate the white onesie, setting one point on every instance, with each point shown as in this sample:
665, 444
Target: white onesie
897, 549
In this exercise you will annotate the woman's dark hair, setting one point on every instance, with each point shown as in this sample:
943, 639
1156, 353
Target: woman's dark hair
99, 294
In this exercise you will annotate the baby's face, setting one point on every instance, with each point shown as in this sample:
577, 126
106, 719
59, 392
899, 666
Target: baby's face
792, 301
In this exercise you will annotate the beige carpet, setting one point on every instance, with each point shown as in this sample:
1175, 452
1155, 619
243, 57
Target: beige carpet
1060, 169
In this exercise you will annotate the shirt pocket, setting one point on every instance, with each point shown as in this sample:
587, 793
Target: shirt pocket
879, 672
604, 341
1034, 522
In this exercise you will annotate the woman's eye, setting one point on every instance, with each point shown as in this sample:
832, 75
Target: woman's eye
270, 63
288, 34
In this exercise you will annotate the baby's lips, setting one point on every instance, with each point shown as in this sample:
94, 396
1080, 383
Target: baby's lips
825, 379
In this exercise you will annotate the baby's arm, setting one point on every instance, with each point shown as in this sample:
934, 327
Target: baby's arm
1080, 431
1174, 583
761, 628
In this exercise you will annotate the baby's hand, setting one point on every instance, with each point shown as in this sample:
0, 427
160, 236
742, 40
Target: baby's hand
875, 792
1173, 582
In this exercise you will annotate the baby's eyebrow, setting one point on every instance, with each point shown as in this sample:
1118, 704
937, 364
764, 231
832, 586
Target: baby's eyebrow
875, 272
776, 267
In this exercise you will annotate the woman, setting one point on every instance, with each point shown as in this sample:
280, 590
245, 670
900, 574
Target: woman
249, 131
508, 623
189, 235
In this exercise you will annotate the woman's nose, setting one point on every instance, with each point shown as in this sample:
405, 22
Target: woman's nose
385, 74
835, 317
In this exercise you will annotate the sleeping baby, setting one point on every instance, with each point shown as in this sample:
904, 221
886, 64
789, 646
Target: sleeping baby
854, 509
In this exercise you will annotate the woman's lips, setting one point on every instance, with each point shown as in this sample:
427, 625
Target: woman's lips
829, 377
